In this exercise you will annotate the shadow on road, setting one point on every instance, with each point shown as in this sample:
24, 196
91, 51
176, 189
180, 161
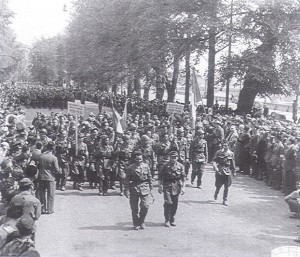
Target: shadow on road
189, 202
123, 226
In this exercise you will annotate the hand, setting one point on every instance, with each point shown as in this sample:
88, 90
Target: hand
182, 191
160, 189
126, 193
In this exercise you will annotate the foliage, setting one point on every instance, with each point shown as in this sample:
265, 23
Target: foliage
9, 49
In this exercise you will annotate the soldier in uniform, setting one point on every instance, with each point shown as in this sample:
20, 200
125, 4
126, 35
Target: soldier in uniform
62, 146
276, 162
199, 155
104, 164
138, 183
79, 163
183, 151
27, 201
162, 150
224, 166
171, 181
289, 166
123, 154
146, 147
91, 142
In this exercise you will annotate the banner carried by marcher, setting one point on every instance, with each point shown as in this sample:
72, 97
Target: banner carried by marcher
174, 108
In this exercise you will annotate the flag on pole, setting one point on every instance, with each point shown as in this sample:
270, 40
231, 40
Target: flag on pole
116, 120
124, 116
195, 87
195, 97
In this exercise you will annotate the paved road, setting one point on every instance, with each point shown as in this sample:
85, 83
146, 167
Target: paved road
85, 224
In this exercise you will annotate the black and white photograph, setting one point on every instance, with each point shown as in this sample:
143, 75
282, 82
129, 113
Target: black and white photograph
150, 128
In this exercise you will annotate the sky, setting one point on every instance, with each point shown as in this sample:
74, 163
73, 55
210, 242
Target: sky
34, 19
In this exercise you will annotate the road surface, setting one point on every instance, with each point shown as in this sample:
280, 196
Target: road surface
85, 224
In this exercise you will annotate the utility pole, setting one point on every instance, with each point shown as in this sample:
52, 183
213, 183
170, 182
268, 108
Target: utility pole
229, 57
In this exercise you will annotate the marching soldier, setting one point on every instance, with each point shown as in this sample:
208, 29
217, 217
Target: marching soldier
183, 151
224, 166
138, 186
124, 154
103, 155
79, 163
171, 181
62, 153
146, 147
199, 155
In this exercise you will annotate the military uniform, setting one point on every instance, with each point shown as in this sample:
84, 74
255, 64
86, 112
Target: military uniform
199, 155
172, 178
62, 154
138, 181
104, 162
124, 156
223, 163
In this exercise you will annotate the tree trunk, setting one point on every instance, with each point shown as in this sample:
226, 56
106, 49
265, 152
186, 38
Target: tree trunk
137, 85
160, 81
114, 89
129, 86
247, 96
171, 86
147, 89
187, 74
211, 60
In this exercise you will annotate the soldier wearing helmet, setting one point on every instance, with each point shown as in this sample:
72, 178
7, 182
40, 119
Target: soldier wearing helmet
198, 155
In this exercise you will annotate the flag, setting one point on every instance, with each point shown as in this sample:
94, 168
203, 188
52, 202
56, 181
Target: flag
124, 116
195, 87
195, 97
116, 120
192, 111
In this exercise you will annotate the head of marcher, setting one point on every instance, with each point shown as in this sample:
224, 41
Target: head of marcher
138, 157
224, 145
173, 156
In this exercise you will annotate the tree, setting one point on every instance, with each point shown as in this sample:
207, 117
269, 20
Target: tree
267, 30
10, 53
47, 61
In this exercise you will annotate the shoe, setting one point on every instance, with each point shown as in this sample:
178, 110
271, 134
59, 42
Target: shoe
173, 224
295, 216
199, 187
142, 226
224, 203
80, 188
192, 183
104, 194
167, 224
215, 197
297, 240
136, 227
44, 212
63, 189
49, 212
121, 194
113, 188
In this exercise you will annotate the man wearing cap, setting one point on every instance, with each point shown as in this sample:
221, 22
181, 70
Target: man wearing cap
224, 166
199, 155
183, 151
123, 154
104, 154
79, 161
30, 204
62, 146
48, 170
138, 186
171, 182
